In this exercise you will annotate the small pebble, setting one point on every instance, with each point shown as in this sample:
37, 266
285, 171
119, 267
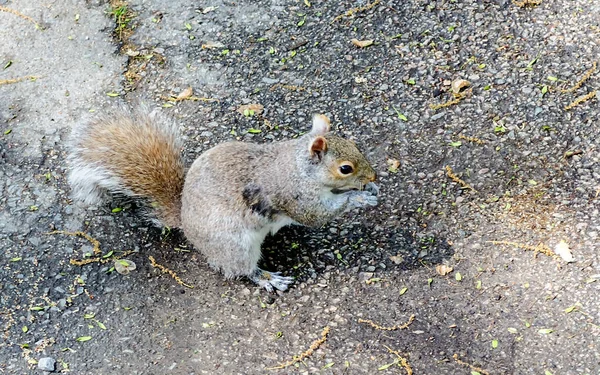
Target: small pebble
47, 364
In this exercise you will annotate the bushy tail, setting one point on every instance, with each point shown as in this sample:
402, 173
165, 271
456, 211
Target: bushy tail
137, 154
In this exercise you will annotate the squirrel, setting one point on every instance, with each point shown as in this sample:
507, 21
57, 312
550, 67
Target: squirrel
233, 195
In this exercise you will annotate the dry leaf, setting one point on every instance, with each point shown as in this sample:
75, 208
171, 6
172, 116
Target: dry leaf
257, 108
361, 43
393, 165
209, 45
360, 80
132, 53
443, 269
562, 250
124, 266
397, 259
459, 84
185, 93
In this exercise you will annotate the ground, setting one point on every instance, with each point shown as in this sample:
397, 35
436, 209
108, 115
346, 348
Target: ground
490, 186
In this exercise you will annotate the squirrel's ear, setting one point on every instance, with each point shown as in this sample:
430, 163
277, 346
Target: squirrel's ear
320, 125
318, 148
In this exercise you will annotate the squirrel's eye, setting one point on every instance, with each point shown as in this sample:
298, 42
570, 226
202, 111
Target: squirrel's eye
346, 169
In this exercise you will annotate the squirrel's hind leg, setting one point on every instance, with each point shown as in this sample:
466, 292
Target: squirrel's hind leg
270, 280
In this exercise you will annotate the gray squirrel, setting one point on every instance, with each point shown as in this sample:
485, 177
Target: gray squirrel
233, 195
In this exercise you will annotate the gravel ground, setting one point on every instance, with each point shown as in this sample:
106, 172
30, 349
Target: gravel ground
529, 170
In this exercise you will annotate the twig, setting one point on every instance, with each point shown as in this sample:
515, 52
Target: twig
526, 3
540, 248
585, 77
474, 368
353, 11
166, 270
16, 80
94, 241
456, 179
580, 100
17, 13
403, 361
447, 104
472, 139
314, 346
396, 327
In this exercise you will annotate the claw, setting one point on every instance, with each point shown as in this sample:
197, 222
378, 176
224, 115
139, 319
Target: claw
270, 280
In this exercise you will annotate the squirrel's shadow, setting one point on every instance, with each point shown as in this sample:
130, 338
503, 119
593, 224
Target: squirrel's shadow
306, 253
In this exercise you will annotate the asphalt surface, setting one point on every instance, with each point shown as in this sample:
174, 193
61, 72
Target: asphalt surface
529, 173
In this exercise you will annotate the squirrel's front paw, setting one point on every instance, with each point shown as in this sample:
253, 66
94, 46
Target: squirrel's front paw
361, 199
270, 280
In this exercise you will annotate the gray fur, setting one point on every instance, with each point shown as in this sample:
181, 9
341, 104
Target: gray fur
234, 194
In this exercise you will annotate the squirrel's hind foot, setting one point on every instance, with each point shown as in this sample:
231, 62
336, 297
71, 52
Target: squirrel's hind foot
270, 280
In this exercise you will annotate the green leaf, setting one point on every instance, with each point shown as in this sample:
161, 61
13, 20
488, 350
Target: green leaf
403, 290
429, 282
475, 373
254, 131
456, 144
544, 89
16, 259
89, 316
571, 309
7, 132
37, 308
547, 373
302, 21
225, 52
84, 338
24, 329
512, 330
494, 344
545, 331
307, 3
411, 81
108, 255
330, 364
402, 117
553, 79
478, 284
188, 26
458, 276
487, 87
112, 94
9, 63
116, 209
100, 324
33, 208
